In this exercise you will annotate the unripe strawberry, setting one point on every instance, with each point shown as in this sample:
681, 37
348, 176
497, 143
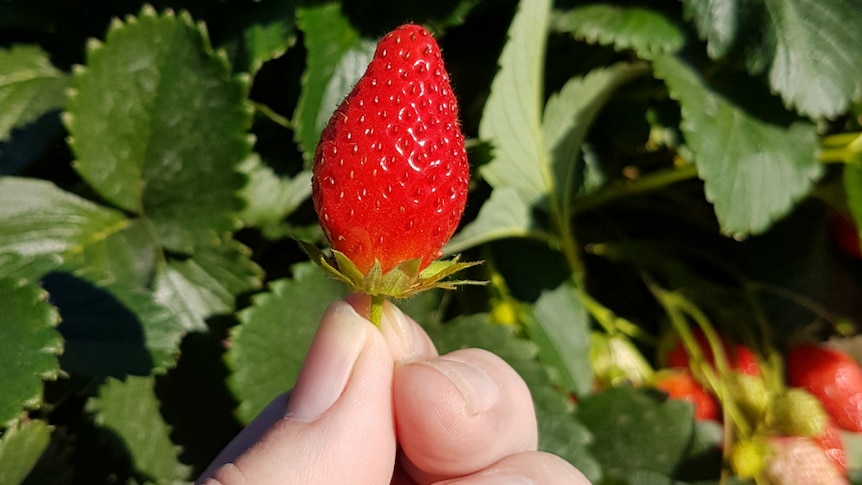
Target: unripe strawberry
796, 412
751, 394
833, 377
390, 171
748, 457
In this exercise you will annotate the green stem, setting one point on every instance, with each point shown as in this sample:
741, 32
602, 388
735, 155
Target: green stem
653, 181
272, 115
377, 309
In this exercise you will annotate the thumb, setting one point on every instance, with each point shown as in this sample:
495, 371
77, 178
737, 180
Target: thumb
337, 426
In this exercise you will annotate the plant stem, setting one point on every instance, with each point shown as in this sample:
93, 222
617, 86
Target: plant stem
653, 181
377, 309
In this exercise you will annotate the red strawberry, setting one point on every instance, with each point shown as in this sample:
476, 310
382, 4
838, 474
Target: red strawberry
682, 386
833, 377
390, 171
830, 441
741, 358
844, 234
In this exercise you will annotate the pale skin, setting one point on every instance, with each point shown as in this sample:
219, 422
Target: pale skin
382, 407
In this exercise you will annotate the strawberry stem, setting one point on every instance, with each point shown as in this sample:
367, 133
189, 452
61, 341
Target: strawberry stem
377, 309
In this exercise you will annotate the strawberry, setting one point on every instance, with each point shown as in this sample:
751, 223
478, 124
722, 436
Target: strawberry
845, 234
830, 441
682, 386
390, 171
833, 377
741, 358
799, 461
795, 412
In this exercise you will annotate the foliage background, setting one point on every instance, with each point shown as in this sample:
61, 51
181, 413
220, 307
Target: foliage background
639, 168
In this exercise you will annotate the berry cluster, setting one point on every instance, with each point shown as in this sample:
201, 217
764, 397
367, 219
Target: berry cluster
787, 433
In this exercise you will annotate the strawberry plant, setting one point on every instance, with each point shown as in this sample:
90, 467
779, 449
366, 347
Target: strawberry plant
652, 190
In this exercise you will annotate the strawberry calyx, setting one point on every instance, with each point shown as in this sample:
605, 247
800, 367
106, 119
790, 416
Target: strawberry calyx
403, 281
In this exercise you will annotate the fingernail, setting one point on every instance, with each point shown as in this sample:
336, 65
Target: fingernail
336, 346
480, 392
400, 334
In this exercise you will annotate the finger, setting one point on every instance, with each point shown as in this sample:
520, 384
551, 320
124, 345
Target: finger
337, 426
527, 468
406, 339
459, 413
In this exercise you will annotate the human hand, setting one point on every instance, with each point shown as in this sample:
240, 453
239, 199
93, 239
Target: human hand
381, 407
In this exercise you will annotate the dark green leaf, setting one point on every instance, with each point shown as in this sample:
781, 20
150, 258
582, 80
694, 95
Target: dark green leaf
809, 48
113, 331
20, 449
130, 409
337, 58
29, 87
562, 331
159, 127
206, 284
126, 257
636, 434
272, 35
559, 432
567, 117
511, 121
268, 348
645, 31
754, 171
29, 345
37, 218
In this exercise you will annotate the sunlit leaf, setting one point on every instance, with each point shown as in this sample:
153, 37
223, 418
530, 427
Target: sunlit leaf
511, 121
159, 127
29, 87
29, 345
755, 171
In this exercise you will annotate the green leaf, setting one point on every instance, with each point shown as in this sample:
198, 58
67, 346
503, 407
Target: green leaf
503, 215
635, 434
20, 449
643, 30
271, 35
754, 171
716, 21
207, 284
559, 432
268, 348
126, 257
269, 198
29, 345
113, 331
29, 87
567, 117
337, 58
27, 268
809, 48
562, 330
37, 218
130, 409
159, 127
511, 120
